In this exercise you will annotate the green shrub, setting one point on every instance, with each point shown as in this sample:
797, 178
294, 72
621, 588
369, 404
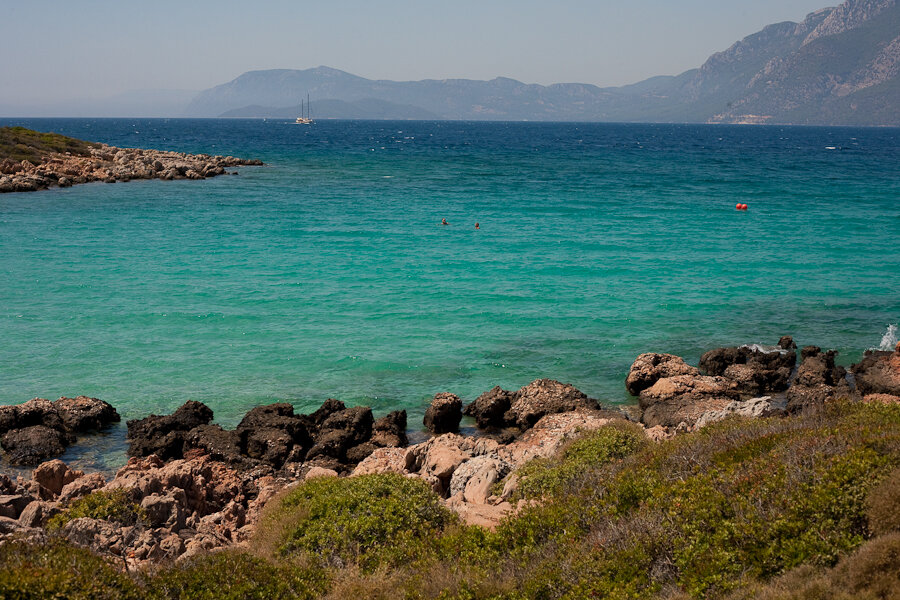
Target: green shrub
114, 505
58, 570
19, 143
372, 520
548, 477
235, 575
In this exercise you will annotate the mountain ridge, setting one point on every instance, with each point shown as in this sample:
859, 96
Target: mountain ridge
839, 66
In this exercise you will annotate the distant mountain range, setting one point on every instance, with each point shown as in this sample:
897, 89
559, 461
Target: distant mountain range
840, 66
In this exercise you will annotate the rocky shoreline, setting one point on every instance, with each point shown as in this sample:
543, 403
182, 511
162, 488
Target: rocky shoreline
99, 162
196, 487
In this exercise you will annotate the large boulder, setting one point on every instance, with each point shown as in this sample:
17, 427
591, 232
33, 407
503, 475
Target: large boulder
165, 435
545, 397
54, 475
390, 430
444, 413
755, 368
35, 444
85, 414
272, 433
878, 372
37, 411
649, 368
754, 408
819, 380
218, 443
684, 399
39, 429
490, 408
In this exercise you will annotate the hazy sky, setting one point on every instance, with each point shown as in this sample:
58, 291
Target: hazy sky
58, 50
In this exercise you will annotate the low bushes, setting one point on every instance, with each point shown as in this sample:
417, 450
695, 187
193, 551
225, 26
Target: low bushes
59, 570
774, 508
369, 521
232, 575
114, 505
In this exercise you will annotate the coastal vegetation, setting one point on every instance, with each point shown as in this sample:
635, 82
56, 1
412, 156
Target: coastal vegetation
19, 143
795, 507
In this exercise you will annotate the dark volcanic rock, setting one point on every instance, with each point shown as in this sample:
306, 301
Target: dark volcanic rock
165, 435
218, 443
649, 368
756, 369
819, 380
328, 408
271, 434
333, 443
85, 414
685, 398
444, 414
37, 411
878, 373
490, 407
35, 444
390, 430
544, 397
357, 421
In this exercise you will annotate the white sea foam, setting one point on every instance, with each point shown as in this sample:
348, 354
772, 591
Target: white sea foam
889, 340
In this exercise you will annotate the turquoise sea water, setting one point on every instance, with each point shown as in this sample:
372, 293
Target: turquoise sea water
326, 274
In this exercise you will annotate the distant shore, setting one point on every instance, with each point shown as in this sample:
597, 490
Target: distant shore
32, 161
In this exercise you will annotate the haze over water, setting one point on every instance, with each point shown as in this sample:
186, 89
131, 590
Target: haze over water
326, 274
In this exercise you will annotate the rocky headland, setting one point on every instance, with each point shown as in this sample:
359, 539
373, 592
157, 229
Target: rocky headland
32, 161
194, 486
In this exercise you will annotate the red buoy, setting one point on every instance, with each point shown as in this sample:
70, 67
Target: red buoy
744, 207
739, 206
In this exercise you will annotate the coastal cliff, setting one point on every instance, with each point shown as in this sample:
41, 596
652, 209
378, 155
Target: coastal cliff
32, 161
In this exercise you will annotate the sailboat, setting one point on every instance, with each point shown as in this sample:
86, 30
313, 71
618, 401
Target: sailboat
304, 118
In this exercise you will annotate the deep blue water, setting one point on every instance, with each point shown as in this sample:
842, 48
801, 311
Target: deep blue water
326, 274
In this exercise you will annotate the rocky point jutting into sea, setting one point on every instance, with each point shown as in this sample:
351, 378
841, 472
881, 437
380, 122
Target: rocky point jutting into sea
200, 487
31, 161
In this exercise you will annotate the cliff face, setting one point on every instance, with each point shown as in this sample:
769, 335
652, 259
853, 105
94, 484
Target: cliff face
844, 72
840, 66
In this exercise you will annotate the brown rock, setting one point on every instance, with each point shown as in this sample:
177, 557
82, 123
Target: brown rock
881, 399
32, 445
386, 460
81, 487
490, 408
444, 414
878, 373
649, 368
53, 475
85, 414
11, 506
36, 514
685, 398
544, 397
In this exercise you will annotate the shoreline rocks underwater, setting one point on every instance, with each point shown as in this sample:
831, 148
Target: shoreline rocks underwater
195, 486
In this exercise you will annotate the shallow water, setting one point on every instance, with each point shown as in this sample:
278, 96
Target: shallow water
326, 274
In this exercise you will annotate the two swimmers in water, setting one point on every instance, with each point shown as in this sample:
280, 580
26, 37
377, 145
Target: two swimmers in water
444, 222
